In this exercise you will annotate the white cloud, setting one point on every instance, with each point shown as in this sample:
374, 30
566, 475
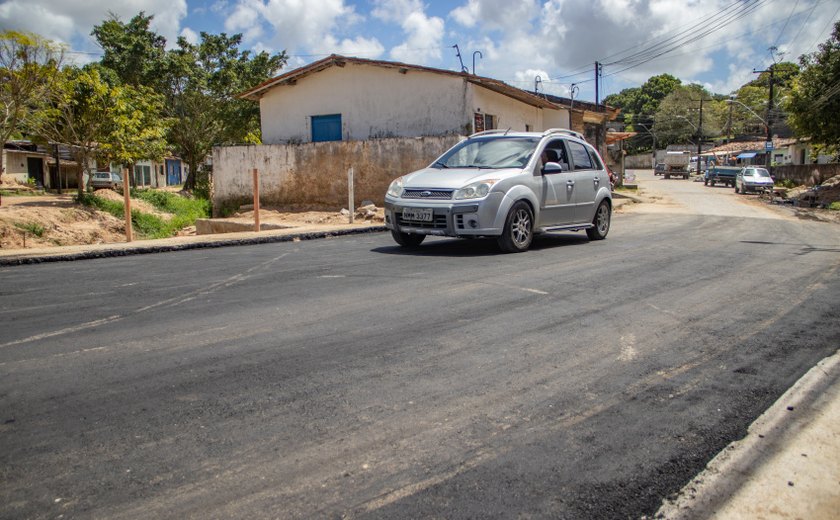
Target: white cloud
424, 39
504, 15
190, 35
293, 24
65, 21
359, 47
395, 10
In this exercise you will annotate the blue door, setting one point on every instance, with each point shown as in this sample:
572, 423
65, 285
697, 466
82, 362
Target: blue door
326, 128
173, 172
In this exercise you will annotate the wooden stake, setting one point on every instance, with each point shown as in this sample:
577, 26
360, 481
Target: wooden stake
350, 193
127, 197
256, 200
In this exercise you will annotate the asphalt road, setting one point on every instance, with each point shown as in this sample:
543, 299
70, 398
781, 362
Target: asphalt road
348, 378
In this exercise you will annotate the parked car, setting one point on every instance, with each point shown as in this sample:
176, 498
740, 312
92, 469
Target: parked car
659, 169
753, 179
109, 180
505, 185
720, 175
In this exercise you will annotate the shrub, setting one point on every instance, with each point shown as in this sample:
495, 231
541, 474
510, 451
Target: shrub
184, 211
834, 206
33, 228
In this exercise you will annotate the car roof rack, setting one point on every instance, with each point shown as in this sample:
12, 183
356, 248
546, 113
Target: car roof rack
564, 131
490, 132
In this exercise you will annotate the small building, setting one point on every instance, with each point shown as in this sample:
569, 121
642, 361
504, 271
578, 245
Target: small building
341, 98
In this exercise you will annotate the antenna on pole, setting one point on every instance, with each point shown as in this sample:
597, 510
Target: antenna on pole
537, 83
480, 56
458, 53
574, 89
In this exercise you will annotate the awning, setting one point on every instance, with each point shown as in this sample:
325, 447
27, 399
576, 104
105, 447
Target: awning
747, 155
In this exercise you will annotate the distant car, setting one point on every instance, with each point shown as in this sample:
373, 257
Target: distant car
753, 179
659, 169
109, 180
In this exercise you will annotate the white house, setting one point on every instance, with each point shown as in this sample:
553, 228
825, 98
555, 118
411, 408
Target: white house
351, 99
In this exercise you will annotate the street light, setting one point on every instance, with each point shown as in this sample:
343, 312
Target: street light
687, 121
730, 101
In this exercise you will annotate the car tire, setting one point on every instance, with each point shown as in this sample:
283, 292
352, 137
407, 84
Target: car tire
407, 239
519, 229
601, 222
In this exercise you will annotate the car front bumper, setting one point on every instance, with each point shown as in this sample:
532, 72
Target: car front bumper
467, 218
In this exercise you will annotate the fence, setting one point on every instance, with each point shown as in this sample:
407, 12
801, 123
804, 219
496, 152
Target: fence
314, 175
639, 162
807, 174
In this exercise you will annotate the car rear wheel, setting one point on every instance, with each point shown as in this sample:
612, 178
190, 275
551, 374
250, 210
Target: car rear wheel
736, 188
519, 229
601, 222
407, 239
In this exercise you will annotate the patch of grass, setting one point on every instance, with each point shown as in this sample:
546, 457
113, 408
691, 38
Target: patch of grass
33, 228
184, 212
20, 193
834, 206
786, 183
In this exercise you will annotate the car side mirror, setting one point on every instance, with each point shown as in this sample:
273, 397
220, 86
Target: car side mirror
552, 167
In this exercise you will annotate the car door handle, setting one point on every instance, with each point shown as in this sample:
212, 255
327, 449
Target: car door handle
570, 183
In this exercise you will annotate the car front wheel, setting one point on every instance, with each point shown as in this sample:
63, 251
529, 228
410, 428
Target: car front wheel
407, 239
601, 222
519, 229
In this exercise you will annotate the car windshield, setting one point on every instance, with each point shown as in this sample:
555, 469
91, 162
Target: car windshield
102, 176
489, 152
761, 172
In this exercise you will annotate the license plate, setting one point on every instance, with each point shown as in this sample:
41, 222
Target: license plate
417, 214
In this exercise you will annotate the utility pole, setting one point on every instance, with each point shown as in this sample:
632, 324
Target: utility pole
729, 124
768, 148
700, 136
597, 77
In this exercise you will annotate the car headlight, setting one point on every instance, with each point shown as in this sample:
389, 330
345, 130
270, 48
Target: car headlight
476, 190
396, 188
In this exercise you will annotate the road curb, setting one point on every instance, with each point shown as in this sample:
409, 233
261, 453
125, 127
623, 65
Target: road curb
24, 259
733, 466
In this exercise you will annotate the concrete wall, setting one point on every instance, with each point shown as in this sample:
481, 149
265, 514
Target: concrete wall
807, 174
556, 119
639, 162
373, 102
315, 174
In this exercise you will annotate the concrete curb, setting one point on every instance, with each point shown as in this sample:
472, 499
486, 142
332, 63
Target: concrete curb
737, 463
140, 249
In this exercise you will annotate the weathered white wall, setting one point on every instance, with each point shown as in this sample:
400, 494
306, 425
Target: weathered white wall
373, 102
509, 112
15, 165
556, 118
315, 174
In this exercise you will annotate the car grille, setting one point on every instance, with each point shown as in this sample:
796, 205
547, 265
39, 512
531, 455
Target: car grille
438, 222
427, 194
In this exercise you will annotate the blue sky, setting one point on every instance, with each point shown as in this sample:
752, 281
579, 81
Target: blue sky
714, 42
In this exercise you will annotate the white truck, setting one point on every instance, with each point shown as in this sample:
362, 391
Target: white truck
676, 164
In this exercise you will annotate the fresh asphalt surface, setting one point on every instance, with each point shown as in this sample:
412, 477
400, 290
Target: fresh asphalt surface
347, 377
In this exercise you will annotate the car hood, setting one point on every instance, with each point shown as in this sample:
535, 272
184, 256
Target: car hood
453, 178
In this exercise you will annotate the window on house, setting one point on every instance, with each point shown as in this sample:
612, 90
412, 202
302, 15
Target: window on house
142, 175
483, 122
326, 128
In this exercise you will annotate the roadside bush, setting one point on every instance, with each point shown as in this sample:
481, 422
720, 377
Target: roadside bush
786, 183
33, 228
184, 211
834, 206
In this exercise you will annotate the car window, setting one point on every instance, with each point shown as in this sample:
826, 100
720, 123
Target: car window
101, 175
580, 157
596, 161
557, 153
492, 152
761, 172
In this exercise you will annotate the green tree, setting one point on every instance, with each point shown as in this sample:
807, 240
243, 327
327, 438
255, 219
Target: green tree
204, 81
136, 54
678, 117
814, 100
638, 106
29, 66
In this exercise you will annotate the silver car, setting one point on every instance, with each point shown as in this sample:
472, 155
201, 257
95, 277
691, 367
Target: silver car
507, 185
753, 179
